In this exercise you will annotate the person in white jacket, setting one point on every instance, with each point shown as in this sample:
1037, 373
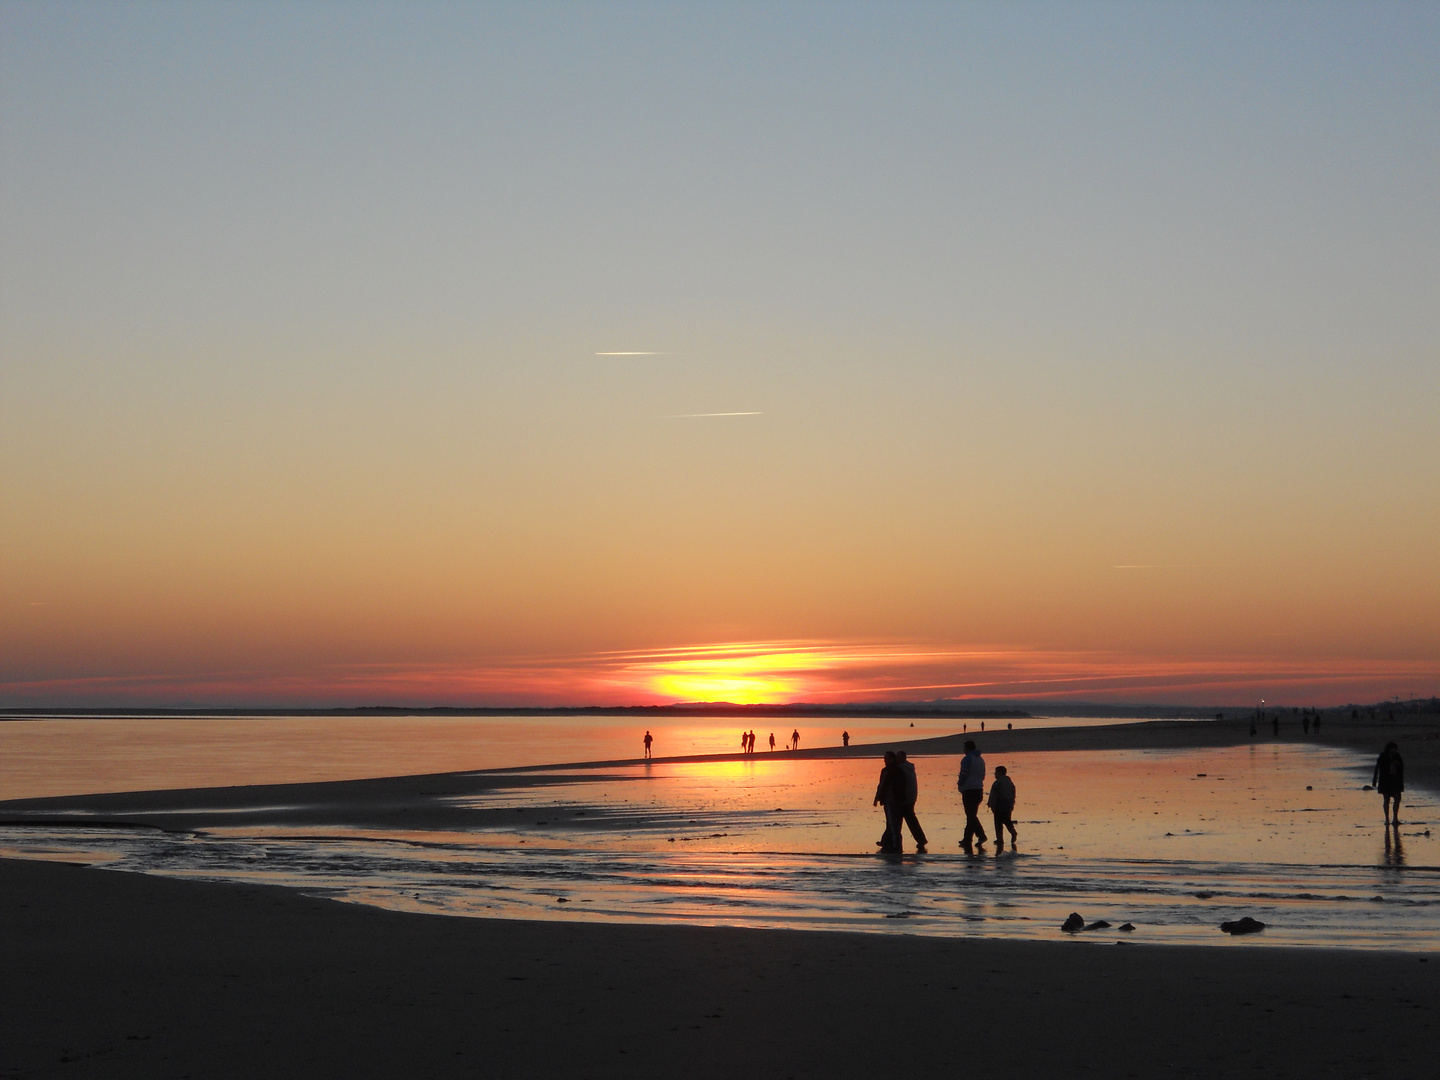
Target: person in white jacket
972, 792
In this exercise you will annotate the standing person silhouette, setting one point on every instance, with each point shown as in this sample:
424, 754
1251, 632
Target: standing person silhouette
750, 749
890, 793
1389, 779
912, 792
772, 742
795, 739
845, 738
972, 790
647, 744
744, 742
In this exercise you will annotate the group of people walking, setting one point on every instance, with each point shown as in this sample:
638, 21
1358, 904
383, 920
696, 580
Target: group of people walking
747, 741
898, 791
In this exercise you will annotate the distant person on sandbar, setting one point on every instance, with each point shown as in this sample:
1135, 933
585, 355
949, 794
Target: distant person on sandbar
795, 739
912, 792
1002, 806
845, 738
751, 747
890, 793
972, 790
744, 741
647, 744
1389, 779
772, 742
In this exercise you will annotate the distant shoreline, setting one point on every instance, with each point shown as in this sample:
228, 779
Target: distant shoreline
978, 710
718, 709
897, 710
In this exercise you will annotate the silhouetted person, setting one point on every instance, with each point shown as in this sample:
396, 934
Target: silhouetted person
982, 725
772, 742
1305, 723
844, 738
890, 793
912, 792
744, 742
1002, 806
1389, 779
795, 739
1009, 727
647, 744
752, 741
972, 790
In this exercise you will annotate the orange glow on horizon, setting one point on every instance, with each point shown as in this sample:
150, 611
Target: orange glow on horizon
750, 673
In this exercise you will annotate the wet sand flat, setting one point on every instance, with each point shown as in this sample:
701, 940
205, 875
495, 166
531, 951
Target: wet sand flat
120, 975
430, 801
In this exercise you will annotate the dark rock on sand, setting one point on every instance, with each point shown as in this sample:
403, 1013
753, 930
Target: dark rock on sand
1098, 924
1127, 927
1247, 925
1073, 923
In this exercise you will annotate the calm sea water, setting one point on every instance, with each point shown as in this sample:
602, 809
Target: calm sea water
86, 754
1172, 841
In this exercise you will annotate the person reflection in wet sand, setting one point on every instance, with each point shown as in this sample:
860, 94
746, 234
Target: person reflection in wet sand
647, 744
890, 793
1394, 853
912, 792
1389, 779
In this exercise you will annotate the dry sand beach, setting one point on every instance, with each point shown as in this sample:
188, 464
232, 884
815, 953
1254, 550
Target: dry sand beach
117, 975
121, 975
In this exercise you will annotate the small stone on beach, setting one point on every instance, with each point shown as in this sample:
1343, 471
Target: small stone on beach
1247, 925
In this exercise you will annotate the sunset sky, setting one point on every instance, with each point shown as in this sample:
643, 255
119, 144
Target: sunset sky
628, 353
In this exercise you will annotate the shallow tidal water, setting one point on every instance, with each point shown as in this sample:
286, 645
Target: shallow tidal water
1174, 842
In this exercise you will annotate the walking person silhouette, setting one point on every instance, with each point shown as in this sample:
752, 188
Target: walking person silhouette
890, 793
912, 792
1002, 807
972, 790
1389, 780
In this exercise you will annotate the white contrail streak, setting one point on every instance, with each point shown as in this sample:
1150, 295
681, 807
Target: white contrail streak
632, 354
690, 415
